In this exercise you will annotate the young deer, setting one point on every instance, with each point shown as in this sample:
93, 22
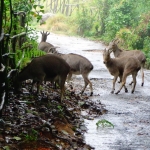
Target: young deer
122, 53
44, 68
121, 67
79, 65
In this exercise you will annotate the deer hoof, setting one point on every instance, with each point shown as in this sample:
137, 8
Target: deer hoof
142, 84
112, 92
126, 90
132, 92
91, 94
117, 92
81, 92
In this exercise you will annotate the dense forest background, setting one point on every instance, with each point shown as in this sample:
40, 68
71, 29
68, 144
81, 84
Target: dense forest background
105, 20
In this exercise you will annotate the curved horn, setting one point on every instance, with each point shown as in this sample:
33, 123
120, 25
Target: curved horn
47, 33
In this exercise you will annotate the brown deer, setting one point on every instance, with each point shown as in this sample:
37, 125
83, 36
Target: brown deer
121, 67
122, 53
45, 46
48, 67
79, 65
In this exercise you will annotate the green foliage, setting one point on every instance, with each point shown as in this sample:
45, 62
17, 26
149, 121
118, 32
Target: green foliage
31, 9
17, 138
84, 21
28, 49
27, 52
146, 49
120, 16
31, 136
57, 23
104, 123
128, 38
6, 148
60, 109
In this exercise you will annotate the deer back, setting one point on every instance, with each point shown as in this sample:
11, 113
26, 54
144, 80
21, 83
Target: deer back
123, 53
78, 63
45, 67
43, 45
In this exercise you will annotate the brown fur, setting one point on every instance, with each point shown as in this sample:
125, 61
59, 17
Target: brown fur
45, 46
78, 64
121, 67
44, 68
122, 53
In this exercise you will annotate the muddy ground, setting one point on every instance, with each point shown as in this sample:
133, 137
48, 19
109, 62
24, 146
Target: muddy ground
129, 113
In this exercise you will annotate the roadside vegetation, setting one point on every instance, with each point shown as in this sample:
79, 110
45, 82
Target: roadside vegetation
106, 20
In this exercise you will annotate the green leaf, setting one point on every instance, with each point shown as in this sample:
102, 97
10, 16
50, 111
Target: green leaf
42, 10
6, 148
104, 123
34, 6
32, 12
41, 7
17, 138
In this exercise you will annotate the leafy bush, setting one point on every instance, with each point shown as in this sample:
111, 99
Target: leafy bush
23, 57
128, 38
84, 21
146, 49
120, 16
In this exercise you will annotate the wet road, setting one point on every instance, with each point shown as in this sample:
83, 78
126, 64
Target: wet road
129, 113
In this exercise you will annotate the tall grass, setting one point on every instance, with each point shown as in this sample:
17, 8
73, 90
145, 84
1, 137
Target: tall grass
60, 23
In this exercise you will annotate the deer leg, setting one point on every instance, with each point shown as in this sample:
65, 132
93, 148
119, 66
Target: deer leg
38, 86
125, 89
86, 82
62, 86
134, 81
123, 82
142, 74
131, 82
54, 82
39, 82
114, 82
69, 76
120, 80
33, 83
